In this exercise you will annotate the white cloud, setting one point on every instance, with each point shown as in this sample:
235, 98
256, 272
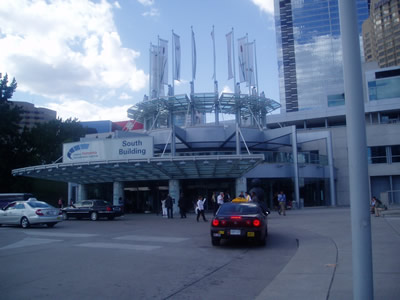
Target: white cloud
153, 12
125, 96
65, 49
146, 2
117, 5
266, 6
85, 111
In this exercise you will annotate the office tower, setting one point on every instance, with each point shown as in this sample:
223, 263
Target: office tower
381, 33
310, 52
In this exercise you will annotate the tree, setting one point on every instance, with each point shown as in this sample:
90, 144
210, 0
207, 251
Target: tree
6, 91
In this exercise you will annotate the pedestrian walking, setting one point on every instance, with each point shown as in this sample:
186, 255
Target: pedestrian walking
200, 208
60, 202
168, 205
220, 200
282, 203
247, 196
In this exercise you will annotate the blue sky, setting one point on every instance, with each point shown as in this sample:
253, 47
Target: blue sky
90, 59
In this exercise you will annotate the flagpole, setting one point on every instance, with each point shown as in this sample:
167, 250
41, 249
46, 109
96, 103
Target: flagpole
213, 36
248, 60
255, 61
151, 70
173, 62
158, 67
234, 67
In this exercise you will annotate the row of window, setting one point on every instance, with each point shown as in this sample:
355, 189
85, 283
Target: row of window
384, 154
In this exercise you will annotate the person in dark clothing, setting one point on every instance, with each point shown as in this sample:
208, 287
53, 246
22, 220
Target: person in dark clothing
182, 206
168, 204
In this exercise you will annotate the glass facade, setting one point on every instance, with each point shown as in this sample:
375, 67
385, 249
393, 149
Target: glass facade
384, 89
310, 51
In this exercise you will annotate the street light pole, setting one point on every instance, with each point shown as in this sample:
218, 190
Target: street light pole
357, 152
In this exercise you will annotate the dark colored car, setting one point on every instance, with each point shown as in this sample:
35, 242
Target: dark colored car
239, 220
93, 209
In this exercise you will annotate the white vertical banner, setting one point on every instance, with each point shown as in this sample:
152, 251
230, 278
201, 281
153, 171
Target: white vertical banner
177, 57
193, 56
213, 40
242, 55
163, 61
229, 49
250, 63
154, 91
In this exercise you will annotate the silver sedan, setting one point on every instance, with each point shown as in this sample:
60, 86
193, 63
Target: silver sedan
27, 213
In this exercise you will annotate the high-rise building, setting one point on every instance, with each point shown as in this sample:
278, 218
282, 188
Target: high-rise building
31, 115
310, 52
381, 33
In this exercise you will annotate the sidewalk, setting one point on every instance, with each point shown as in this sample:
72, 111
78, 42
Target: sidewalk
322, 266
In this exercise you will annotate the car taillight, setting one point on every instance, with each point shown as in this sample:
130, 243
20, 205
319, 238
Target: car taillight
256, 223
39, 212
109, 208
215, 223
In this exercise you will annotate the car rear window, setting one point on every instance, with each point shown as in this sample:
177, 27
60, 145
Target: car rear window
102, 203
236, 208
37, 204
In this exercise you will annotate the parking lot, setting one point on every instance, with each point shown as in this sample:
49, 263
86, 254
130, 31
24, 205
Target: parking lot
135, 257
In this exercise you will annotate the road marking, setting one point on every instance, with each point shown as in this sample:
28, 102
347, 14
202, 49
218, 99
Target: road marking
60, 234
141, 238
119, 246
29, 242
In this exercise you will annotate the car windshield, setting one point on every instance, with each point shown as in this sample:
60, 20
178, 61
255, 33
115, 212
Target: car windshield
239, 208
37, 204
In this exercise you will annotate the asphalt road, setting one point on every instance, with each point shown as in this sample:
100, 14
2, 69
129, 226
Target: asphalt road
137, 257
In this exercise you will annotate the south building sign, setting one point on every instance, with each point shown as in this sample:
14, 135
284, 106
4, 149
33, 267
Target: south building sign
109, 149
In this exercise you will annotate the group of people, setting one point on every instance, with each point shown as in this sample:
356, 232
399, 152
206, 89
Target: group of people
167, 204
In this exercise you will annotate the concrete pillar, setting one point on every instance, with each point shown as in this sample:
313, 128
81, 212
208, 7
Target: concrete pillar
71, 196
295, 165
241, 186
331, 170
118, 192
174, 191
82, 192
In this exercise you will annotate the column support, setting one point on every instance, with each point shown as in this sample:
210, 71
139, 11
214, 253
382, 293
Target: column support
118, 192
295, 165
174, 192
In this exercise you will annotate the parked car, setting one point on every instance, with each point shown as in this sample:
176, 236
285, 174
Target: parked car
30, 212
239, 220
92, 209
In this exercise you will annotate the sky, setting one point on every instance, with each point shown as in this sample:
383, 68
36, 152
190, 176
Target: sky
89, 59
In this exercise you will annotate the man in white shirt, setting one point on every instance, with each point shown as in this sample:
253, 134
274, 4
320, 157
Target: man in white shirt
220, 199
200, 208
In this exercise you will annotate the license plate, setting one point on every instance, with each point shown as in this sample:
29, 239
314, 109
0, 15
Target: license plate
250, 234
235, 232
221, 232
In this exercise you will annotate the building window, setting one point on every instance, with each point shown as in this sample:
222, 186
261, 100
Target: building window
336, 100
377, 155
395, 153
387, 88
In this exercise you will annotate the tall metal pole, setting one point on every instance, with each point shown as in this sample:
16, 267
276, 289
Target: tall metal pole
357, 151
151, 68
173, 63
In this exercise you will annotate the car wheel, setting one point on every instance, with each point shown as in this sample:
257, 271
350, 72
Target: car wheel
215, 242
65, 216
25, 222
50, 224
93, 216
